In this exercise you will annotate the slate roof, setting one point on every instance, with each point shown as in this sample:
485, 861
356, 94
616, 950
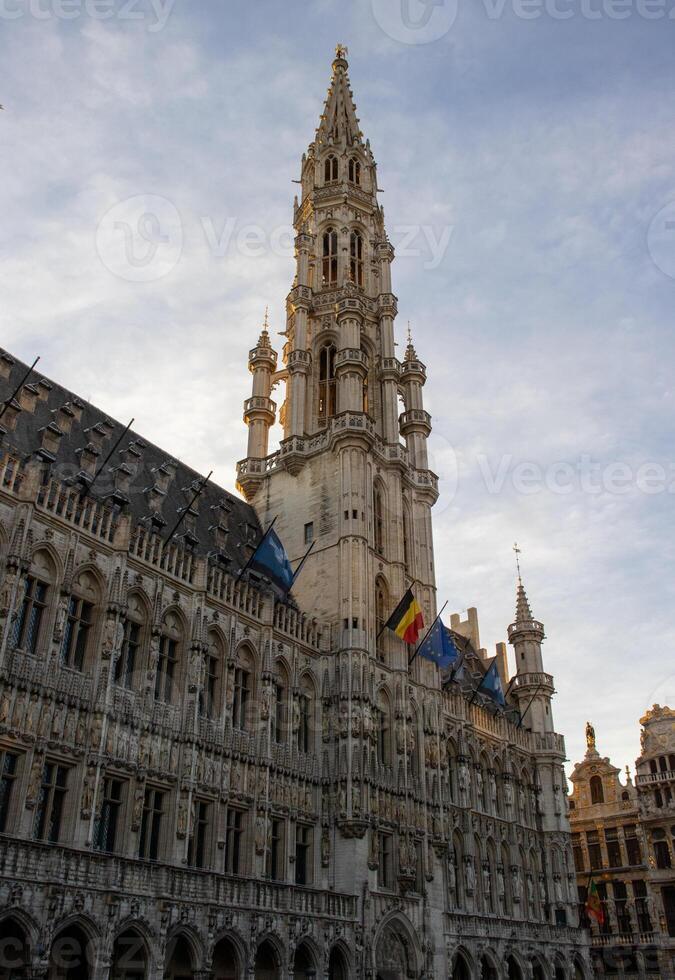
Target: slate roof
72, 436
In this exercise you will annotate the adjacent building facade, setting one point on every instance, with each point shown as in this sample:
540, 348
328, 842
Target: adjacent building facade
201, 779
623, 836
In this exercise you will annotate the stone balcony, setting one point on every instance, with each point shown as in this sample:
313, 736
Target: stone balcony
68, 868
655, 778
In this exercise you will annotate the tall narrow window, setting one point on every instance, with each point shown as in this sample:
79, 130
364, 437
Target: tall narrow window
407, 543
303, 853
210, 697
29, 620
107, 823
385, 871
330, 257
151, 824
199, 840
49, 809
8, 761
305, 710
331, 169
383, 734
275, 851
597, 793
233, 841
381, 615
166, 668
279, 712
76, 636
242, 693
354, 171
125, 667
356, 258
378, 520
327, 383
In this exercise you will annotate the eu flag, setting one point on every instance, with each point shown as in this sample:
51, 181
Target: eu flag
438, 647
492, 685
271, 560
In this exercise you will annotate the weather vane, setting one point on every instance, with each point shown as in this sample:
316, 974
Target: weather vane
267, 318
341, 51
409, 335
518, 552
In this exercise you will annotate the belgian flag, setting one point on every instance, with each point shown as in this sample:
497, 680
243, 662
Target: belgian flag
407, 620
594, 907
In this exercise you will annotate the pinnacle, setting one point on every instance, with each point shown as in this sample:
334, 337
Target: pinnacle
339, 123
410, 353
523, 611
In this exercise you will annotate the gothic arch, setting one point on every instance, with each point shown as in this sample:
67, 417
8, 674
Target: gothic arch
18, 942
397, 951
89, 568
229, 940
193, 944
462, 965
515, 966
489, 966
539, 967
47, 548
339, 962
130, 954
272, 948
306, 950
73, 944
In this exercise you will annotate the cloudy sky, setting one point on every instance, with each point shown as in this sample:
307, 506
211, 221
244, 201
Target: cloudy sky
526, 151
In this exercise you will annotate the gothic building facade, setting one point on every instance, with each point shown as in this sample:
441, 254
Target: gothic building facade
623, 837
199, 779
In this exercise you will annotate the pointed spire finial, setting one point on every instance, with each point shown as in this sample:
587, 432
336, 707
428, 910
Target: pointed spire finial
411, 353
341, 52
264, 340
518, 552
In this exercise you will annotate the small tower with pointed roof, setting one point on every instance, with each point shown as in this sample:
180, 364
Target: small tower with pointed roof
259, 410
534, 688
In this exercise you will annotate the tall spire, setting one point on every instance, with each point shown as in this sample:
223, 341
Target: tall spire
339, 123
523, 611
410, 353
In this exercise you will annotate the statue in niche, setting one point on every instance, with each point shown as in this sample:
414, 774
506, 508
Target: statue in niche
88, 792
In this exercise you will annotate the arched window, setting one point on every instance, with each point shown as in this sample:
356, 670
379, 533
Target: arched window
354, 171
210, 698
597, 792
305, 716
378, 519
243, 694
381, 616
128, 664
166, 678
279, 712
327, 383
356, 258
407, 540
79, 625
330, 257
331, 169
32, 603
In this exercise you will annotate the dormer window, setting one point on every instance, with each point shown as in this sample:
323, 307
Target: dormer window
356, 258
330, 257
331, 170
354, 171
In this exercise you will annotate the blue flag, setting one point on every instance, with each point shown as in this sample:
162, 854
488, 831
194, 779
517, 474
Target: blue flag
438, 647
492, 685
271, 560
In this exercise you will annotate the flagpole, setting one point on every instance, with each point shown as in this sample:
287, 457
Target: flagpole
309, 551
426, 635
255, 550
520, 723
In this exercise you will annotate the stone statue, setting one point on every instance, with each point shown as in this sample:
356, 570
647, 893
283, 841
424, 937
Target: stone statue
88, 792
260, 833
182, 824
470, 875
501, 884
452, 872
137, 812
325, 847
590, 737
266, 703
4, 706
35, 781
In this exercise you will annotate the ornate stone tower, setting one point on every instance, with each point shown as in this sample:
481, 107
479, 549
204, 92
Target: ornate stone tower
352, 470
